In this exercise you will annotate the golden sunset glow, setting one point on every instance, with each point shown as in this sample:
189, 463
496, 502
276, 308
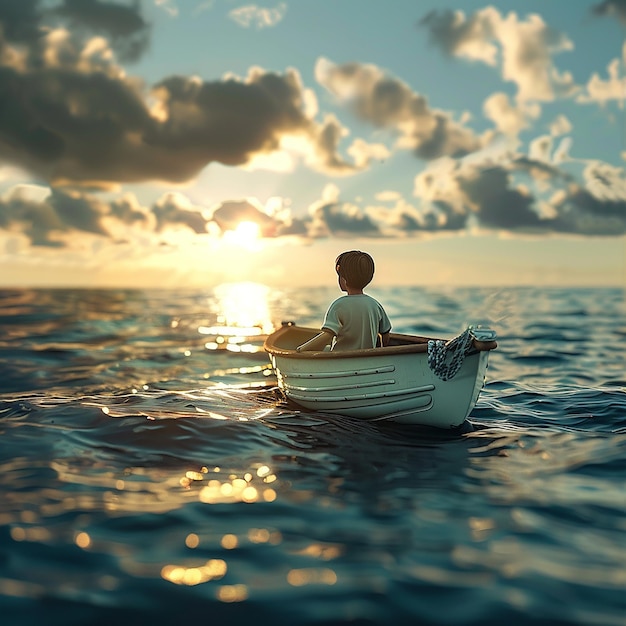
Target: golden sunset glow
247, 235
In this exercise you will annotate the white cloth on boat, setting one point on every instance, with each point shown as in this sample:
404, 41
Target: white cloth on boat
446, 357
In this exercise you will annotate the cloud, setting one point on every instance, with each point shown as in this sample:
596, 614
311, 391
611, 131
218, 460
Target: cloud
33, 219
54, 218
364, 153
340, 219
615, 8
45, 219
73, 117
605, 182
560, 126
79, 212
495, 197
526, 194
122, 24
387, 102
508, 118
228, 215
470, 38
329, 216
325, 143
28, 21
66, 124
20, 20
602, 91
175, 209
71, 114
128, 210
522, 49
259, 17
232, 120
169, 6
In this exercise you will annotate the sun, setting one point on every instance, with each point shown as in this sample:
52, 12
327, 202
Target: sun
246, 234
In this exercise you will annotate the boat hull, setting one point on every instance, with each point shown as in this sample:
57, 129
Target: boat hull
392, 384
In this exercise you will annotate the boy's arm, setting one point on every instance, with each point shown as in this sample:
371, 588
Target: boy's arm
319, 342
384, 338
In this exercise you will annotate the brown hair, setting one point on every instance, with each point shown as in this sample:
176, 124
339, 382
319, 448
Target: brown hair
356, 267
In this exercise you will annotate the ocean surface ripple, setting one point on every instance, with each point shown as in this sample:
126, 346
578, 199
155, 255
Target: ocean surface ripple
152, 473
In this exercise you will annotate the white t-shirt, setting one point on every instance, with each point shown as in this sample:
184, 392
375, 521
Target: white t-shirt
356, 321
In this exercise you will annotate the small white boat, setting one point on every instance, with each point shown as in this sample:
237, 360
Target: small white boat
392, 383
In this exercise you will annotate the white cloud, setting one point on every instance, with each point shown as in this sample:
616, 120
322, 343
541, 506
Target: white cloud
606, 181
540, 149
562, 151
560, 126
527, 50
602, 91
259, 17
363, 153
169, 6
388, 196
523, 49
510, 119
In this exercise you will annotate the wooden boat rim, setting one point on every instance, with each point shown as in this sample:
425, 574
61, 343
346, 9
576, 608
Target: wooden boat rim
410, 344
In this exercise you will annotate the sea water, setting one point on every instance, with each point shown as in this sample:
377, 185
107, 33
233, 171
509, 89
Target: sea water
151, 473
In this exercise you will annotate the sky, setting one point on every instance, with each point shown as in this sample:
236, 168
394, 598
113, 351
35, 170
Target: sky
187, 143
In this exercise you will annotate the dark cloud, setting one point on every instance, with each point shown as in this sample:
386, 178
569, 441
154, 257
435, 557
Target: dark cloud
122, 24
326, 143
492, 198
80, 127
19, 21
296, 226
409, 223
227, 121
452, 219
42, 221
27, 21
615, 8
75, 117
79, 211
69, 125
37, 220
128, 211
173, 210
581, 212
73, 126
447, 138
436, 216
338, 219
497, 204
450, 33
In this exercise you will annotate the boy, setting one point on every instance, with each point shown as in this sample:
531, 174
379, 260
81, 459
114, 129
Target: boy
354, 321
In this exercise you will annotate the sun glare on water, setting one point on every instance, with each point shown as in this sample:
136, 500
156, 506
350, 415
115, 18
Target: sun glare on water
242, 318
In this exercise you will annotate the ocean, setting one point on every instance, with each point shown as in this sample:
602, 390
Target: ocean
151, 473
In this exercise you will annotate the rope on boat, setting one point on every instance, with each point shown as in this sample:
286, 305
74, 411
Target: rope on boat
446, 357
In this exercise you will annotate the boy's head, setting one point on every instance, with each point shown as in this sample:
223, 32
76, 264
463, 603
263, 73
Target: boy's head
355, 267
